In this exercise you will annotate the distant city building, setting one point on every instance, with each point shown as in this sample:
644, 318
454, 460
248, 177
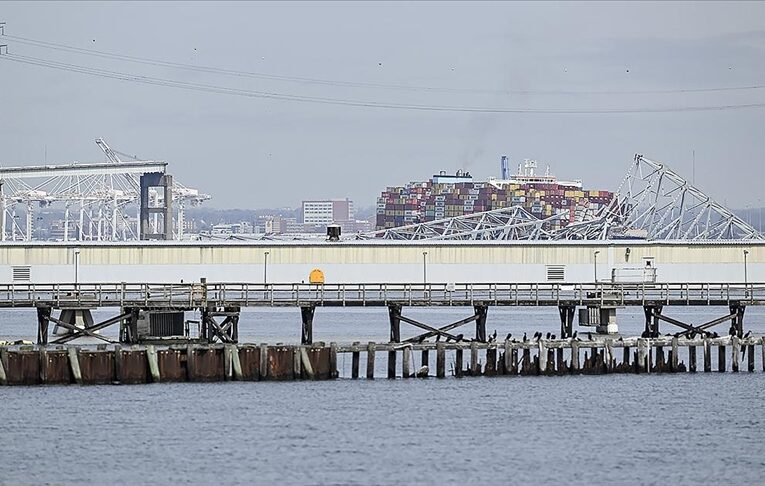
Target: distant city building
446, 196
279, 225
242, 228
326, 211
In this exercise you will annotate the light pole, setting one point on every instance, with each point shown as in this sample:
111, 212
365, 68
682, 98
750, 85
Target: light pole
746, 278
265, 267
424, 267
595, 264
76, 265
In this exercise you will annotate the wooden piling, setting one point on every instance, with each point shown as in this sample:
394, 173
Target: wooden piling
333, 373
74, 364
236, 363
264, 361
575, 356
475, 368
440, 360
406, 361
508, 357
355, 358
674, 362
642, 356
735, 354
608, 356
425, 358
117, 363
513, 360
707, 356
559, 359
305, 361
151, 358
43, 353
750, 358
3, 364
370, 361
692, 358
721, 358
297, 363
458, 362
392, 364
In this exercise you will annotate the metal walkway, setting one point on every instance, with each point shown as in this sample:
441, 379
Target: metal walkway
200, 295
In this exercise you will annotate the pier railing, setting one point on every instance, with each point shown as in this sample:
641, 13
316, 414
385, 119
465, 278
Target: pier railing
195, 295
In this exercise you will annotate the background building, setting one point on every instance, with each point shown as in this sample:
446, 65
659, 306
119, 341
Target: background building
326, 211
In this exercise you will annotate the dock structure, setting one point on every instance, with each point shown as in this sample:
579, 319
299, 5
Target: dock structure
155, 312
35, 365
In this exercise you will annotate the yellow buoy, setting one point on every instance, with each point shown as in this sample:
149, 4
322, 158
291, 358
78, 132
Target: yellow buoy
316, 276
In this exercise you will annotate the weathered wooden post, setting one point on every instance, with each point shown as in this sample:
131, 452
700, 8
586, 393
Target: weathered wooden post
750, 358
475, 369
459, 361
675, 358
394, 317
391, 363
480, 322
425, 358
333, 373
642, 356
43, 319
735, 353
575, 356
74, 364
264, 361
406, 360
508, 357
440, 360
117, 363
371, 361
609, 356
707, 356
721, 357
306, 313
355, 358
692, 358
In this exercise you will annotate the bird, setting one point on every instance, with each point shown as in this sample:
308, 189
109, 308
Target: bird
732, 330
715, 335
547, 336
509, 335
525, 338
574, 336
748, 333
620, 339
589, 336
552, 337
494, 336
421, 339
438, 338
459, 337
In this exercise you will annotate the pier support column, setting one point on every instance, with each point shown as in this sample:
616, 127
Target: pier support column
306, 313
394, 315
43, 319
738, 320
480, 322
652, 313
566, 320
129, 326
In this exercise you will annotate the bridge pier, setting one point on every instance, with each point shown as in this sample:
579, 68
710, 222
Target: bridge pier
306, 313
652, 313
737, 321
480, 322
566, 320
394, 316
227, 331
43, 319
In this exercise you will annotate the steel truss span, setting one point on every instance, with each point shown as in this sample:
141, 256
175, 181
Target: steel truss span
652, 203
95, 198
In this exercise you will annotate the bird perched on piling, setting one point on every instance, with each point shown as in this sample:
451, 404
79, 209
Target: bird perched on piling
552, 337
748, 333
438, 338
574, 336
525, 338
494, 336
459, 337
547, 336
509, 335
732, 330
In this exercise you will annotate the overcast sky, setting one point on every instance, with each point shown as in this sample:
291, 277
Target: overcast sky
251, 152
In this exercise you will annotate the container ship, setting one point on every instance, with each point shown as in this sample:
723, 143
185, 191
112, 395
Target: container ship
449, 195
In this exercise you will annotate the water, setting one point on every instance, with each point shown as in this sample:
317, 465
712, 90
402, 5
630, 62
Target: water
626, 429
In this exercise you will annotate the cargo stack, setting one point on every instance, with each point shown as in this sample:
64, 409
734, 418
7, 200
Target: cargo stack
448, 196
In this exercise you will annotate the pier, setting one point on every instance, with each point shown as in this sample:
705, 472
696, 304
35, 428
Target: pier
48, 365
156, 344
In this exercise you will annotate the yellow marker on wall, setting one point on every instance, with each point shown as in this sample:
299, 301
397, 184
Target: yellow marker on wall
316, 276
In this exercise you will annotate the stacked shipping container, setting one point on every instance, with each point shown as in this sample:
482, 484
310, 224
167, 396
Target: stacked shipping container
419, 202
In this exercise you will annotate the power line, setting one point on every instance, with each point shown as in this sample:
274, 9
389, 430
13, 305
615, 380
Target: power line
329, 82
208, 88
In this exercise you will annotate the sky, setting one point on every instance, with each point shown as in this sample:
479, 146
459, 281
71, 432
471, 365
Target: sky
340, 100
